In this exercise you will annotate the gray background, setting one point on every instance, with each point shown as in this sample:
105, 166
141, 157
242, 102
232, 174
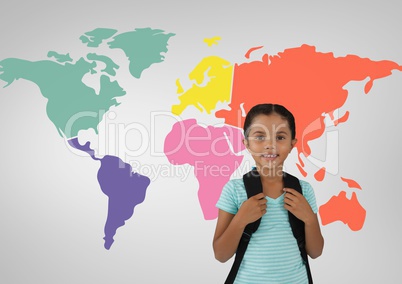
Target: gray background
52, 211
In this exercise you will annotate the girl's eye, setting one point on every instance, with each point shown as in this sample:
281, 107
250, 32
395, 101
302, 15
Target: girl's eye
280, 138
259, 138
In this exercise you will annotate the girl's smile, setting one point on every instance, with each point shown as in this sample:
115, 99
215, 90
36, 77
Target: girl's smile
269, 157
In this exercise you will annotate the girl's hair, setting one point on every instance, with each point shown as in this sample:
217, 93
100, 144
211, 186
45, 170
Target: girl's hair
268, 109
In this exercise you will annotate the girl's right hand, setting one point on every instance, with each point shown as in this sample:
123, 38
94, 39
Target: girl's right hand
253, 208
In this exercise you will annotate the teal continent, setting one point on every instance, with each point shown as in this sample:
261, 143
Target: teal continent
143, 47
72, 105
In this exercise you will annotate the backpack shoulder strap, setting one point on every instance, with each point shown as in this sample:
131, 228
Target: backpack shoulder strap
296, 224
253, 186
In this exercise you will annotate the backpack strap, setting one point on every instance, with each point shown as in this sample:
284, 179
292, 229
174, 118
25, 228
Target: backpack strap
253, 185
296, 224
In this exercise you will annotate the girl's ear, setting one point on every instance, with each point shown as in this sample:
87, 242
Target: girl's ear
245, 142
294, 141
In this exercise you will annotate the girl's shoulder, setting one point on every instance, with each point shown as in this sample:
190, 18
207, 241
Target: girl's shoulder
235, 181
235, 185
305, 185
308, 193
232, 195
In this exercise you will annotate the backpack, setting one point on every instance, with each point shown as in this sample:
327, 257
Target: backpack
253, 186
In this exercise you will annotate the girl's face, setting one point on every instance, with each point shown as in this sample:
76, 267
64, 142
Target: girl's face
269, 141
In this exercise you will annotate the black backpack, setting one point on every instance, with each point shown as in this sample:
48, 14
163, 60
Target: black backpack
253, 186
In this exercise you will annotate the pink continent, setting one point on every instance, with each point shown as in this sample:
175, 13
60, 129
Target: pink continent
212, 151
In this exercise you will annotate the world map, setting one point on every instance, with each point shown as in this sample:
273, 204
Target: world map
308, 82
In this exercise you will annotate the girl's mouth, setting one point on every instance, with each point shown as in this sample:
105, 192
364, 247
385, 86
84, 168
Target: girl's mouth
269, 156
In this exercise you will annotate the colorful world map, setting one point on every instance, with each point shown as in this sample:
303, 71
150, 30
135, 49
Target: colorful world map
308, 82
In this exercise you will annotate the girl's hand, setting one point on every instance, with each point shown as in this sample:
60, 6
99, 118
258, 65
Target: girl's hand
253, 208
297, 204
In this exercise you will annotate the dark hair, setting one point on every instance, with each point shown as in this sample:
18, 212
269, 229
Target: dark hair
268, 109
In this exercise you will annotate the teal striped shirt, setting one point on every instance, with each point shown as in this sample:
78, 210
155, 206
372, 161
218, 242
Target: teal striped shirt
272, 255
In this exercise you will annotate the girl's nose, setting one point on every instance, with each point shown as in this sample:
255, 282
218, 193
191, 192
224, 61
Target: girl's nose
269, 144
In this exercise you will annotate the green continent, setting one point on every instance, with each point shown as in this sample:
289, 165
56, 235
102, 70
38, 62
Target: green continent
143, 47
72, 106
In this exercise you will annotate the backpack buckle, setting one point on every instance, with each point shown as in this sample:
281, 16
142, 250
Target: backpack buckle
246, 236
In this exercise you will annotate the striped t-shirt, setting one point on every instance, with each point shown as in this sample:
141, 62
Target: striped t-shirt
272, 255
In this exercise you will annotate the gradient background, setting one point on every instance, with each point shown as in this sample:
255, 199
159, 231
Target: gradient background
51, 206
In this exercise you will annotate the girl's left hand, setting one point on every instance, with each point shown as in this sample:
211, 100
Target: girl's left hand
297, 204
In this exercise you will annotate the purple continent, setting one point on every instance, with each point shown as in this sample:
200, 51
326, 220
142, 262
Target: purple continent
124, 188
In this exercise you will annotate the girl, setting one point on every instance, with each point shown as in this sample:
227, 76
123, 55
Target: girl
272, 255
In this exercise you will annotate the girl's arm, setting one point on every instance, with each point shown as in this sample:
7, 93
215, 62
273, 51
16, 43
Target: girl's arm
229, 227
314, 239
228, 232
